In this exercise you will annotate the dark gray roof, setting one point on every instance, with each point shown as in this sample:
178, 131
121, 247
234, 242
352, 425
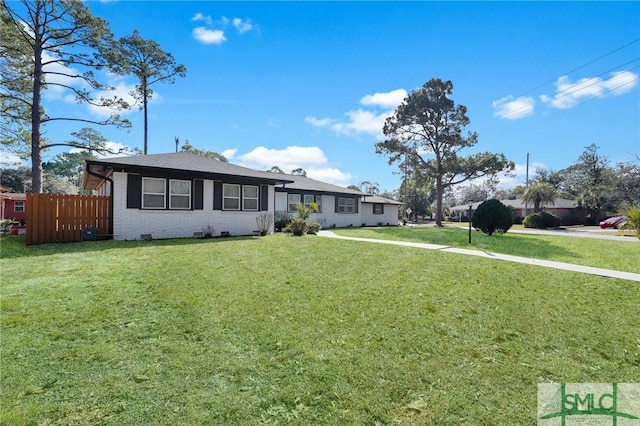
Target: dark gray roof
183, 161
376, 199
558, 203
307, 184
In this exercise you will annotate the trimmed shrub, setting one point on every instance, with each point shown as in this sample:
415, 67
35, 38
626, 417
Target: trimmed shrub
314, 227
541, 220
298, 227
492, 216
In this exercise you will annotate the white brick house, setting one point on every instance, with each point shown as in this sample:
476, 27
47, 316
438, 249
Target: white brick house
181, 195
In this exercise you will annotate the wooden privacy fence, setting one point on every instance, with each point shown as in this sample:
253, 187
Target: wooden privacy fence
57, 218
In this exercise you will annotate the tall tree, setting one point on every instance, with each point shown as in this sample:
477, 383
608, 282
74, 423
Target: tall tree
591, 181
368, 187
150, 64
50, 44
428, 126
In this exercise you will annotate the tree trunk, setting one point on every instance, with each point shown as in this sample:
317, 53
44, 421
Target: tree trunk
145, 102
36, 151
439, 200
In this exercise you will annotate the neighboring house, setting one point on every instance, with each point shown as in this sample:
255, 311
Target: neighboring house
563, 208
13, 206
338, 206
181, 195
378, 210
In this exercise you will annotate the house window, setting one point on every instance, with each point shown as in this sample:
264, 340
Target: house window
250, 198
153, 193
230, 197
346, 205
378, 209
179, 194
293, 201
18, 206
318, 199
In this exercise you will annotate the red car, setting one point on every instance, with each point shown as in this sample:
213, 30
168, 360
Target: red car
613, 222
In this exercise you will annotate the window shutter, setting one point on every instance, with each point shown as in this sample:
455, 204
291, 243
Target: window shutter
134, 191
356, 201
264, 198
217, 195
381, 208
336, 203
198, 193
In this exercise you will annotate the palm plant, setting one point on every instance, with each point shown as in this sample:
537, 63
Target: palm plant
539, 194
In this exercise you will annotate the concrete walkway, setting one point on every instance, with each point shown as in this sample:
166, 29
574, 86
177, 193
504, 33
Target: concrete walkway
497, 256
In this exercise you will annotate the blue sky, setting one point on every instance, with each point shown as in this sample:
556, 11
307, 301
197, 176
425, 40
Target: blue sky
309, 84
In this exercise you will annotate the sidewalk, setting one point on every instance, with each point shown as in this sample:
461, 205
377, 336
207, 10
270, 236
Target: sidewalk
497, 256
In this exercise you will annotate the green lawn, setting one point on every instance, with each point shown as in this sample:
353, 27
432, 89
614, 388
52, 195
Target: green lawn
297, 330
623, 255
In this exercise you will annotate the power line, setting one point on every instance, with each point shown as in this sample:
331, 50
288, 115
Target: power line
578, 86
582, 66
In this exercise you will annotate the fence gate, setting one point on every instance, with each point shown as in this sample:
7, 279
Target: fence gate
57, 218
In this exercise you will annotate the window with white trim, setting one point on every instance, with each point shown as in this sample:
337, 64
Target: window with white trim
250, 198
179, 194
378, 209
230, 196
293, 201
346, 205
318, 199
18, 206
154, 193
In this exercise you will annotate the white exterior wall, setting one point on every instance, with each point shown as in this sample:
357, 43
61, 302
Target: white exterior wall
389, 216
327, 217
129, 224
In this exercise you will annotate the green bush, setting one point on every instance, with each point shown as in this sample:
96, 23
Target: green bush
492, 216
298, 226
541, 220
633, 220
281, 221
314, 227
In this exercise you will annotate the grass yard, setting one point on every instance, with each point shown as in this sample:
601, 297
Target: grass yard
623, 255
297, 330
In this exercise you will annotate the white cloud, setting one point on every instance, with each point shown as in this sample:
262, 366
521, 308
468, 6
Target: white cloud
330, 175
511, 108
242, 25
319, 122
361, 121
208, 36
569, 94
385, 100
201, 17
9, 159
368, 121
229, 153
309, 158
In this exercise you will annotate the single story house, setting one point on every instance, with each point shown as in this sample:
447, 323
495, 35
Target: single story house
182, 194
338, 206
13, 206
563, 208
378, 211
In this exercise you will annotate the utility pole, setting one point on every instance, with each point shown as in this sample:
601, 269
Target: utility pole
526, 188
177, 142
